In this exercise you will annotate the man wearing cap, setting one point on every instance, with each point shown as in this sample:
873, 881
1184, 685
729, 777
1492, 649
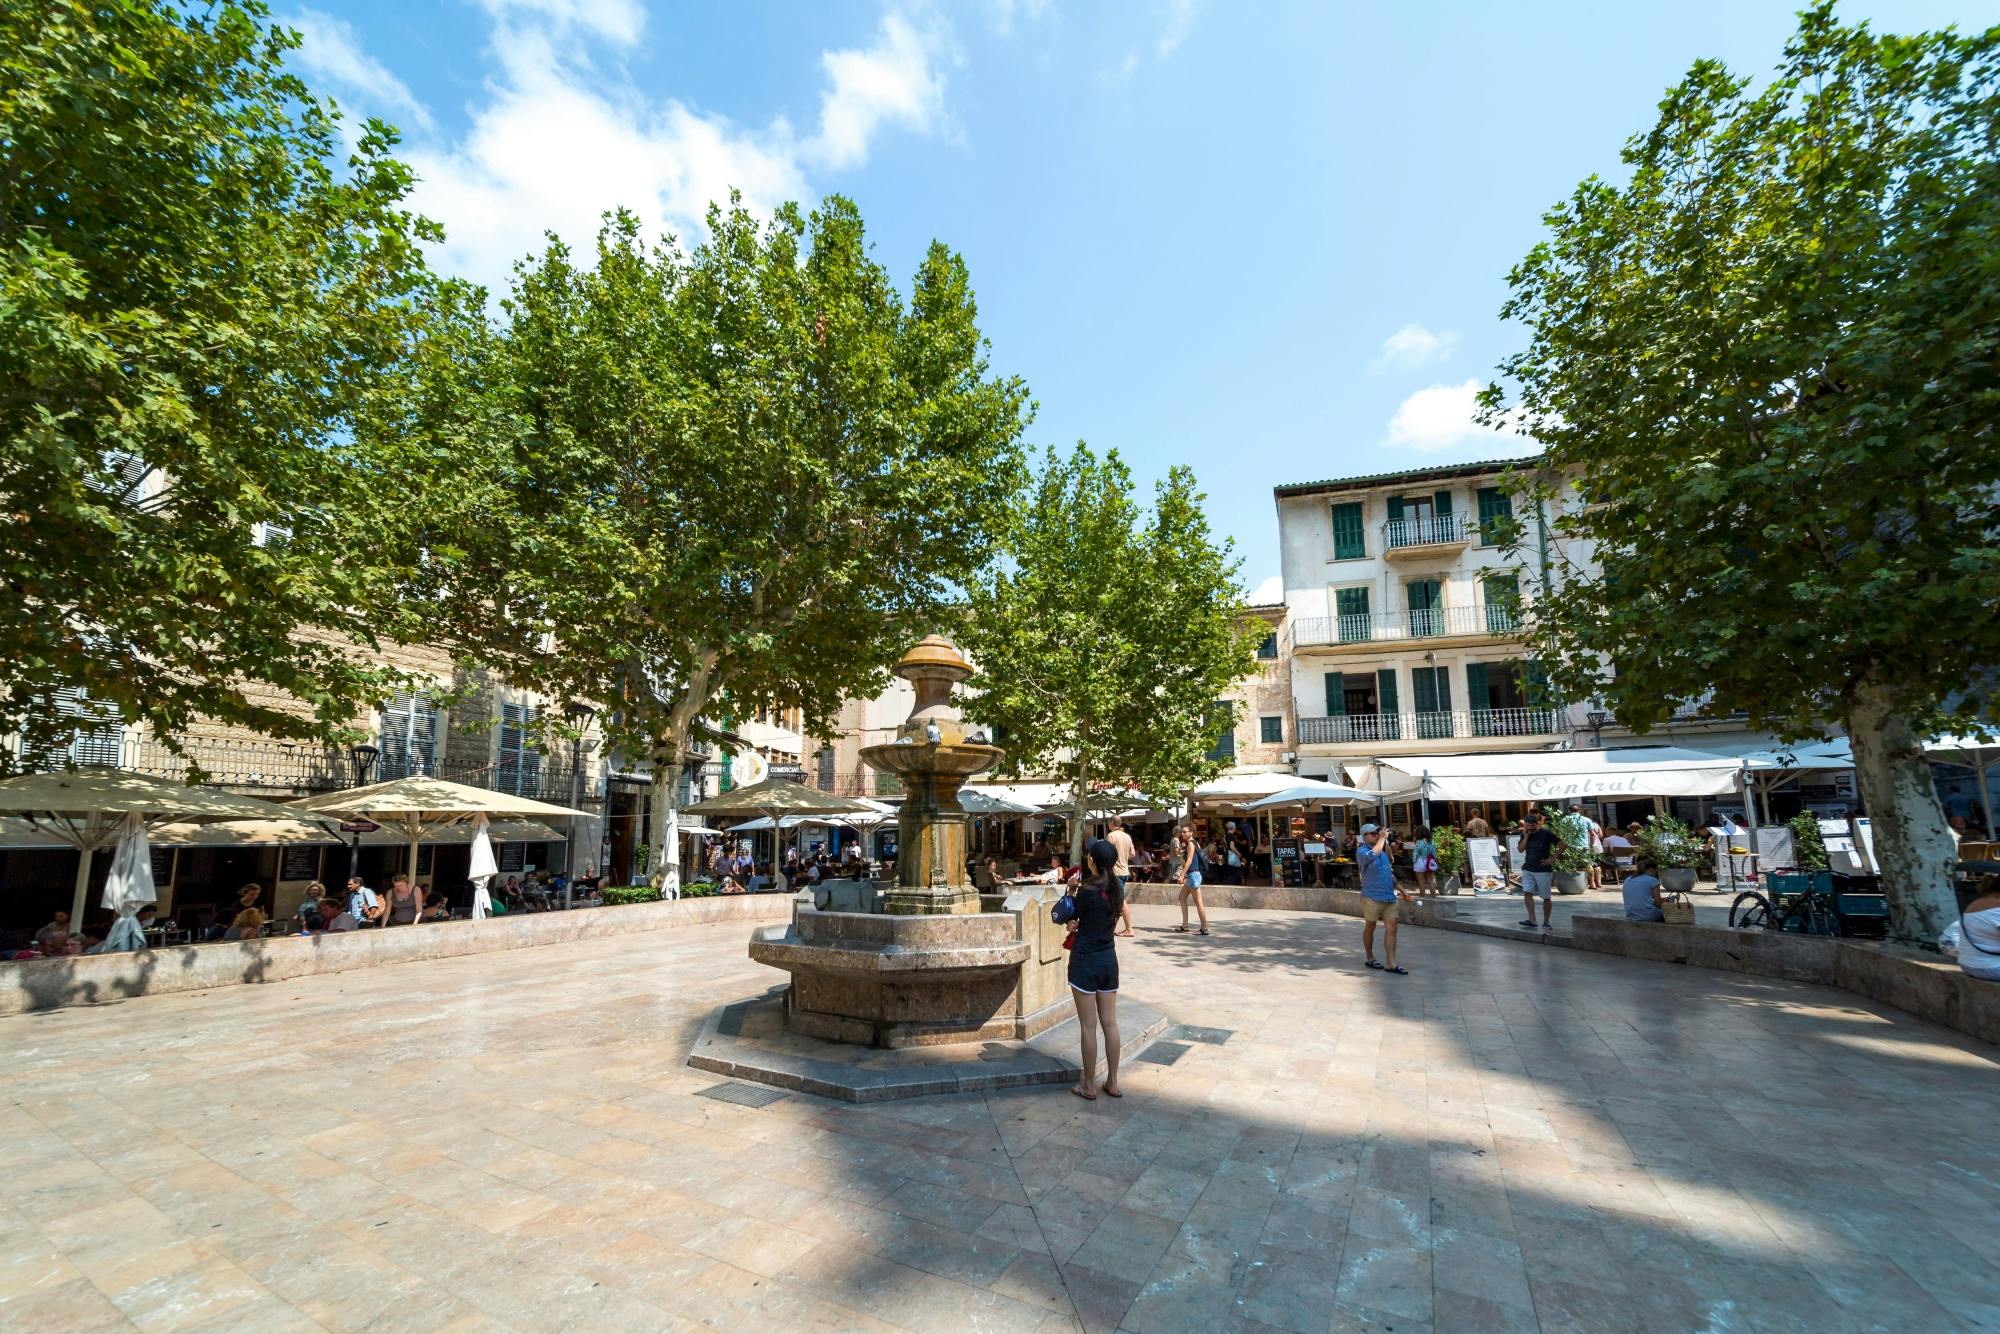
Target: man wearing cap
1379, 897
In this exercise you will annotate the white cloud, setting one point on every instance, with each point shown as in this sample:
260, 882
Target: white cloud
1412, 346
330, 51
896, 81
619, 21
1180, 18
555, 141
1270, 591
1440, 417
1000, 13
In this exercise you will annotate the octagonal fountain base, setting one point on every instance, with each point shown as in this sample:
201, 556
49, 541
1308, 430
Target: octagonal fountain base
882, 980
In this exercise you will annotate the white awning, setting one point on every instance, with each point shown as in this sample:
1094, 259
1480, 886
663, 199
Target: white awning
16, 833
1631, 771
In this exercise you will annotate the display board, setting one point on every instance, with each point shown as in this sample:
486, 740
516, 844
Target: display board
512, 856
163, 866
1285, 860
1483, 855
300, 862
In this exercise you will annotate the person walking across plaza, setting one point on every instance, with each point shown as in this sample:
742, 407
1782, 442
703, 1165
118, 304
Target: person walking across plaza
1594, 834
1122, 841
1093, 966
1538, 875
1380, 897
1193, 862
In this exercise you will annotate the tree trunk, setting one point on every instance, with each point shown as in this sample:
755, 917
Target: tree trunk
1912, 842
664, 827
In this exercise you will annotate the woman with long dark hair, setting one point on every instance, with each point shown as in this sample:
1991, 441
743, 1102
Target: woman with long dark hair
1093, 966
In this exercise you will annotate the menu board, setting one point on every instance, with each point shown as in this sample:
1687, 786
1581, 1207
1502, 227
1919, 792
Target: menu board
163, 866
301, 862
512, 856
1285, 860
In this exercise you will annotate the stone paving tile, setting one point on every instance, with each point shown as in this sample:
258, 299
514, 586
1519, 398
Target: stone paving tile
1516, 1138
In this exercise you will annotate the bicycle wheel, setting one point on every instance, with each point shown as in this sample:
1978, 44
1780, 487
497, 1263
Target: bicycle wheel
1809, 918
1750, 912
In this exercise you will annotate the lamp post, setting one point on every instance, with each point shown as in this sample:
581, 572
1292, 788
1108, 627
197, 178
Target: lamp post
363, 760
579, 715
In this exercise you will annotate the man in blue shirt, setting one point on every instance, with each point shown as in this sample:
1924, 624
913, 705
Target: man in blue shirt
1380, 895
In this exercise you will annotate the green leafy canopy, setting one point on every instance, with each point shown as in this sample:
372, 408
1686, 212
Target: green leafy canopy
1103, 649
199, 301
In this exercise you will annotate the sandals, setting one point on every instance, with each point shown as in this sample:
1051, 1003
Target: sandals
1087, 1097
1182, 929
1204, 931
1375, 965
1398, 970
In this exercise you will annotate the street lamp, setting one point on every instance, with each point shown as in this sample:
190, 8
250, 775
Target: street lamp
363, 759
579, 715
1597, 718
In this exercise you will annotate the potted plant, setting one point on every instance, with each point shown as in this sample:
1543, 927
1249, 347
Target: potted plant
1672, 847
1452, 859
1808, 848
1571, 858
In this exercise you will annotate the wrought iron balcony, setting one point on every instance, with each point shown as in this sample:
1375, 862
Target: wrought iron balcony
1353, 728
1441, 530
1492, 620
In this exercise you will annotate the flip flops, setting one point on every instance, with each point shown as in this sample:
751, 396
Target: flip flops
1398, 970
1375, 965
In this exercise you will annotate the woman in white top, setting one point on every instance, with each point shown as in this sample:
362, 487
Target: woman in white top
1975, 936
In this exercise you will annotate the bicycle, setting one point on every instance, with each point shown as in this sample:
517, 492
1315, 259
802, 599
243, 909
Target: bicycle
1810, 903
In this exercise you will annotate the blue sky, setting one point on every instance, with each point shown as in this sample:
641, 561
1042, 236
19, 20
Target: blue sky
1267, 240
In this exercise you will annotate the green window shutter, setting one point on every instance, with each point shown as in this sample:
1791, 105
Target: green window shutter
1350, 609
1535, 685
1425, 594
1476, 692
1503, 602
1423, 689
1444, 689
1385, 702
1493, 504
1395, 509
1441, 503
1336, 695
1350, 539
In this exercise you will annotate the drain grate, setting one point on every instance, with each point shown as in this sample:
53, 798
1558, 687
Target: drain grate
1214, 1037
743, 1095
1164, 1053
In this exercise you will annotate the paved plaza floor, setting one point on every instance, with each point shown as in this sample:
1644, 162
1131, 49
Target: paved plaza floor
1509, 1138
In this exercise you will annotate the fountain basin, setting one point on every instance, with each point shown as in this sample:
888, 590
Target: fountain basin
884, 980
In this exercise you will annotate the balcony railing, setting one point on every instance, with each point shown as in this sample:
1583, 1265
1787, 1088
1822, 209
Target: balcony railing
281, 769
1426, 532
1388, 627
1346, 729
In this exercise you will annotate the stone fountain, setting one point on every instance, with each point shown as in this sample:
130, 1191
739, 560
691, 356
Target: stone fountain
929, 967
932, 991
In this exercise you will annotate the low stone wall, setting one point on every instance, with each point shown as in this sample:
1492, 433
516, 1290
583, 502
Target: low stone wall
97, 979
1929, 988
1346, 902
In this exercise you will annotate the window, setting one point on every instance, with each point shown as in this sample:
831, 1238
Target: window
1494, 504
1426, 599
1503, 602
1430, 691
1350, 615
1271, 730
1223, 718
1269, 648
520, 769
409, 737
1350, 539
95, 734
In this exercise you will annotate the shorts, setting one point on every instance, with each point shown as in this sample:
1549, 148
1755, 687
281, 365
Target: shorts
1373, 909
1094, 973
1538, 882
1193, 880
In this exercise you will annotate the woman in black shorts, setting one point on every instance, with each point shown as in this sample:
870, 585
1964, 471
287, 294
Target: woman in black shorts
1093, 966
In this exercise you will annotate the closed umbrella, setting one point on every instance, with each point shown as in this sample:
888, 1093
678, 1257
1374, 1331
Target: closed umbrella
129, 885
88, 809
484, 868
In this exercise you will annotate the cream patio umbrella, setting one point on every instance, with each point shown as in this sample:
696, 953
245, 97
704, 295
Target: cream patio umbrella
92, 808
418, 807
778, 798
